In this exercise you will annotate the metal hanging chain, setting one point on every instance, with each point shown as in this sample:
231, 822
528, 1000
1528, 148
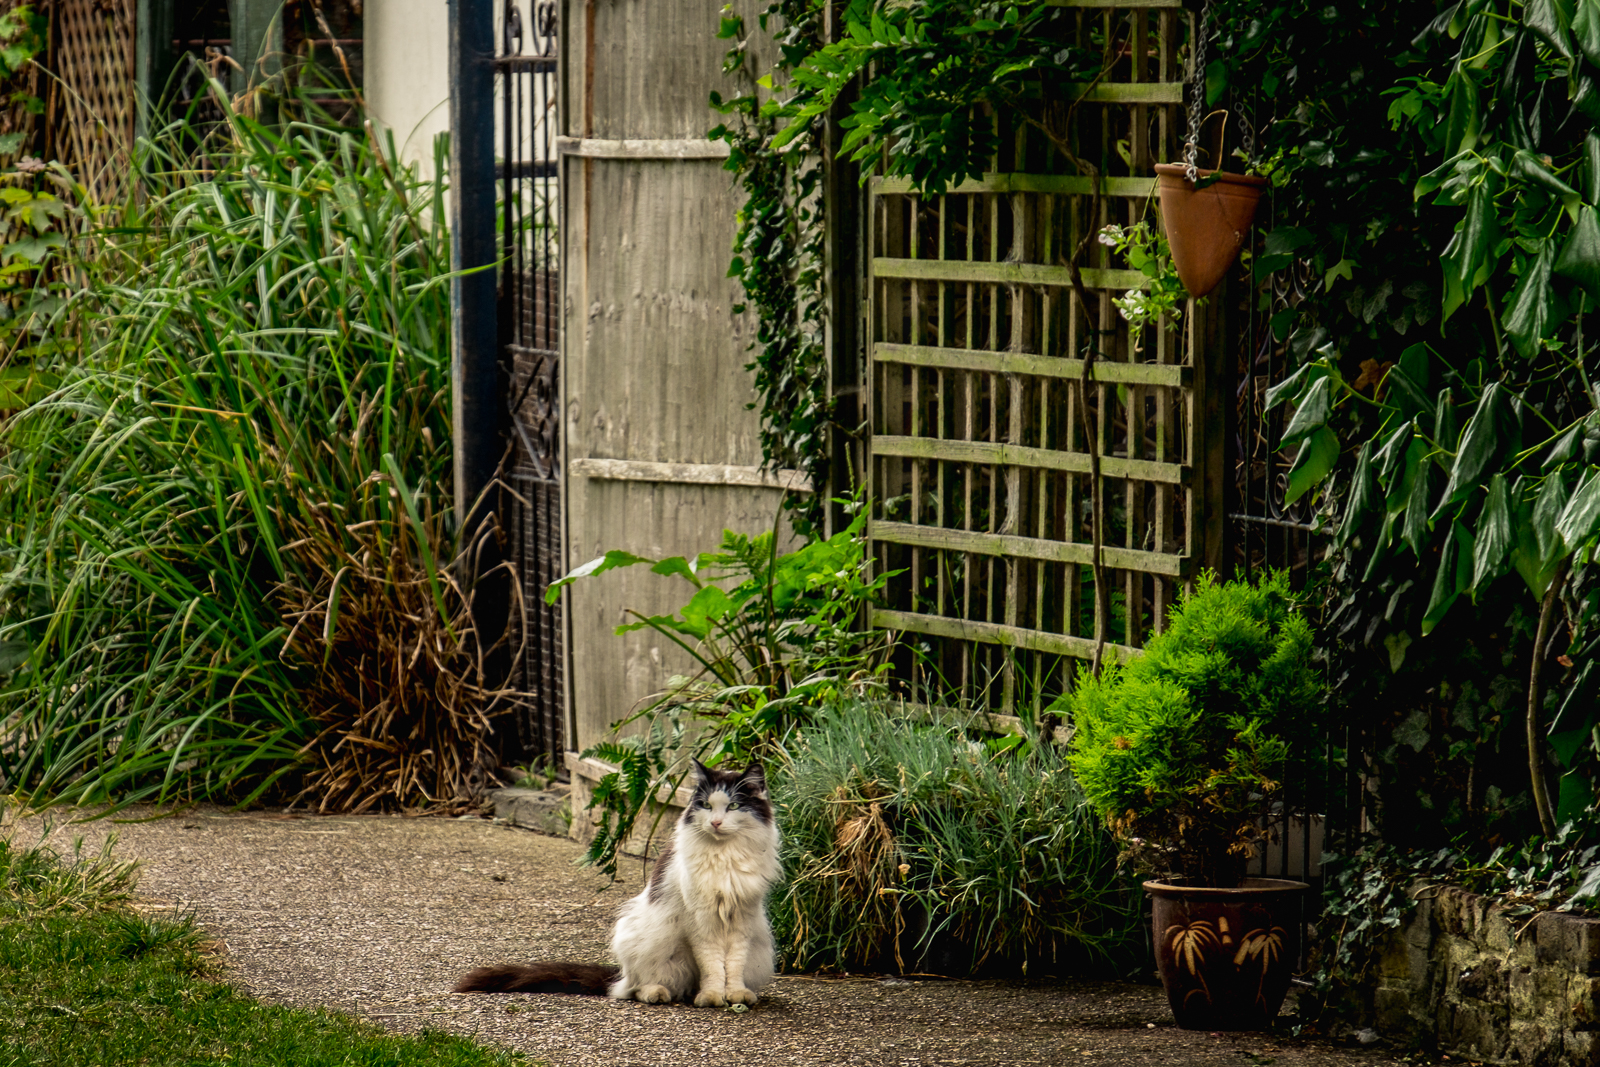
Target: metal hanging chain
1197, 97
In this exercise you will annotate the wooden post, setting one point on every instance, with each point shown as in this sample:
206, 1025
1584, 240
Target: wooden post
257, 40
152, 58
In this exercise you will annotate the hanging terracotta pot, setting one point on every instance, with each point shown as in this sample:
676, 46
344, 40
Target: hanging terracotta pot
1206, 227
1225, 955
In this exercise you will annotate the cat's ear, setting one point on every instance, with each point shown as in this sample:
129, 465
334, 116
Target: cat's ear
701, 772
755, 775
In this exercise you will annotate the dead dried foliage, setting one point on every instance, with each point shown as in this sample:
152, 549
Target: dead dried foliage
397, 678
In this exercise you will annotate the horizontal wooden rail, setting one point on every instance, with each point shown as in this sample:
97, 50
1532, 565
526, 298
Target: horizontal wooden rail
1168, 4
994, 633
943, 715
638, 470
1070, 184
968, 270
1176, 376
1127, 92
600, 148
993, 544
994, 453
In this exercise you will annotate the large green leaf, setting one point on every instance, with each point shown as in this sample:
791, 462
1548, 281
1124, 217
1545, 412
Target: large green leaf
1586, 29
1316, 458
1533, 309
1292, 386
1469, 258
1453, 577
1533, 169
610, 561
1591, 157
1536, 548
1415, 530
1491, 429
1494, 534
1579, 261
1580, 519
1552, 20
1311, 414
1461, 113
1414, 468
1547, 511
1363, 496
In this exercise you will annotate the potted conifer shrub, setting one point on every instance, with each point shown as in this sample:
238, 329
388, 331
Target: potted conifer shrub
1181, 750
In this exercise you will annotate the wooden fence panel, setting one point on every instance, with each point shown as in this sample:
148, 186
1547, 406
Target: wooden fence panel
661, 448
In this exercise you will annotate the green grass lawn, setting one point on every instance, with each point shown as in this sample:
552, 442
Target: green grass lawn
87, 980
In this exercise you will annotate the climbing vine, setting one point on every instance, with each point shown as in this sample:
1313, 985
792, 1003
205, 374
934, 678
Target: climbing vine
1445, 414
778, 249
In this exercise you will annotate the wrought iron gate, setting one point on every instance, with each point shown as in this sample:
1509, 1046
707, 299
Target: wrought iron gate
529, 339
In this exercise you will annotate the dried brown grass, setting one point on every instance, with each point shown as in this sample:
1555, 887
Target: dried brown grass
400, 689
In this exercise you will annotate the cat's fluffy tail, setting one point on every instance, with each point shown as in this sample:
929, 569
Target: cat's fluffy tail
586, 979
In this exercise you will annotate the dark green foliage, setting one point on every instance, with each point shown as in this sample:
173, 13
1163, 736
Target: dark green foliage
929, 848
937, 68
1463, 396
1370, 893
1182, 748
777, 255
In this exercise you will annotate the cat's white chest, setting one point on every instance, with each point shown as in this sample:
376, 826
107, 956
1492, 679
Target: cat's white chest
726, 876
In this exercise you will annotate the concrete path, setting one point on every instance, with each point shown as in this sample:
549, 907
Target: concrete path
376, 916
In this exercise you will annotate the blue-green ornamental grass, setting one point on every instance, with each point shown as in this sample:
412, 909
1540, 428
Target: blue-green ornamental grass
934, 848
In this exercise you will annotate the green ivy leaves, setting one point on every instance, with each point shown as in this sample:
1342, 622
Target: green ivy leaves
932, 65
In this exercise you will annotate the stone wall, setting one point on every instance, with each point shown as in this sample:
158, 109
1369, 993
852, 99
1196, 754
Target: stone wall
1463, 976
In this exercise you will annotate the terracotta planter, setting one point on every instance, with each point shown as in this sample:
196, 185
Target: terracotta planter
1225, 955
1206, 227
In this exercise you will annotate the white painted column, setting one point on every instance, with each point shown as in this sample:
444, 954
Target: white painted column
407, 55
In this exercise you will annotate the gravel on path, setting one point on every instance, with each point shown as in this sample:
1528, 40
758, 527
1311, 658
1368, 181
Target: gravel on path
376, 916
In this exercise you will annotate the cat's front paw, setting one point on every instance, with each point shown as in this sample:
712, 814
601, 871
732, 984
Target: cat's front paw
710, 998
654, 994
742, 996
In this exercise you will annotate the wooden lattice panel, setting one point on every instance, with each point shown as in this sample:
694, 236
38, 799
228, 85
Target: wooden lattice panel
978, 466
92, 52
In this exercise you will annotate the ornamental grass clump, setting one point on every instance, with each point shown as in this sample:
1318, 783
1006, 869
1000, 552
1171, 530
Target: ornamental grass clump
933, 848
225, 532
1185, 747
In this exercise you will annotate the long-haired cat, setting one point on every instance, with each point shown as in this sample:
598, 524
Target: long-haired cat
700, 927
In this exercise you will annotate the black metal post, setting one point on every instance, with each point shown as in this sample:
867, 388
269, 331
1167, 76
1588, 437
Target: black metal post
478, 411
842, 220
474, 349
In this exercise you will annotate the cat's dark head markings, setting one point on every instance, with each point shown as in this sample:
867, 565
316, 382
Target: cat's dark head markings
746, 789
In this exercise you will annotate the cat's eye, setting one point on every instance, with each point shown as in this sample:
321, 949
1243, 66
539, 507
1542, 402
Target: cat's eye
733, 806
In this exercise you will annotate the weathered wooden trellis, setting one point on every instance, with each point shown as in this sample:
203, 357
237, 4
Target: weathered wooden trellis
111, 58
978, 465
91, 103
